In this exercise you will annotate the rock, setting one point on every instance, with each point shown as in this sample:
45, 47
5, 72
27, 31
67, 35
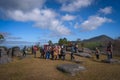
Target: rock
3, 51
111, 61
77, 61
5, 59
87, 55
70, 68
16, 51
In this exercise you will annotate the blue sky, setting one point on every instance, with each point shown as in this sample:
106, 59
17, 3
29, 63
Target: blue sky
43, 20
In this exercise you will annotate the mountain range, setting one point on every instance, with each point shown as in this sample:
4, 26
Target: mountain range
101, 38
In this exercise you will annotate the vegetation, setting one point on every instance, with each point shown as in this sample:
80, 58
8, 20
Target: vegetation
63, 41
1, 38
50, 42
93, 45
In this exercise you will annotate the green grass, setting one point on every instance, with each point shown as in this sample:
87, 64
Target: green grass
92, 45
40, 69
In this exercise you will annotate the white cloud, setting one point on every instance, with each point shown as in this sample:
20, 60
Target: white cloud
34, 15
93, 22
21, 4
63, 1
44, 18
74, 5
68, 17
106, 10
76, 26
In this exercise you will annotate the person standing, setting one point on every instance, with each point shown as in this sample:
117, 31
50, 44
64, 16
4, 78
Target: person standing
35, 50
76, 48
52, 53
48, 52
109, 50
72, 52
42, 53
32, 50
55, 52
24, 51
63, 53
0, 53
97, 53
59, 52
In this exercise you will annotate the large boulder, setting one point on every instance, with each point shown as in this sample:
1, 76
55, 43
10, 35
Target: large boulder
4, 57
111, 61
87, 55
3, 51
71, 68
16, 51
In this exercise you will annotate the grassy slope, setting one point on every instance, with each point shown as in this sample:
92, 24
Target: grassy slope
41, 69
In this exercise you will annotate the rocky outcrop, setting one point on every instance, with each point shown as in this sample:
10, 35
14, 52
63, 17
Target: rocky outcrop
16, 52
87, 55
111, 61
72, 69
4, 58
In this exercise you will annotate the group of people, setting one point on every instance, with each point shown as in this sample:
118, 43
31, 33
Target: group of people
59, 52
53, 52
109, 51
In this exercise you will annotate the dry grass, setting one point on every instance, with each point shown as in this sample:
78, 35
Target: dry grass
41, 69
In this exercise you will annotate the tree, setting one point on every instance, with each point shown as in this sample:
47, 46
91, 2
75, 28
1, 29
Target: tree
60, 42
50, 42
1, 38
63, 41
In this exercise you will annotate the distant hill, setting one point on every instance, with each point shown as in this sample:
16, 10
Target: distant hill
101, 38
